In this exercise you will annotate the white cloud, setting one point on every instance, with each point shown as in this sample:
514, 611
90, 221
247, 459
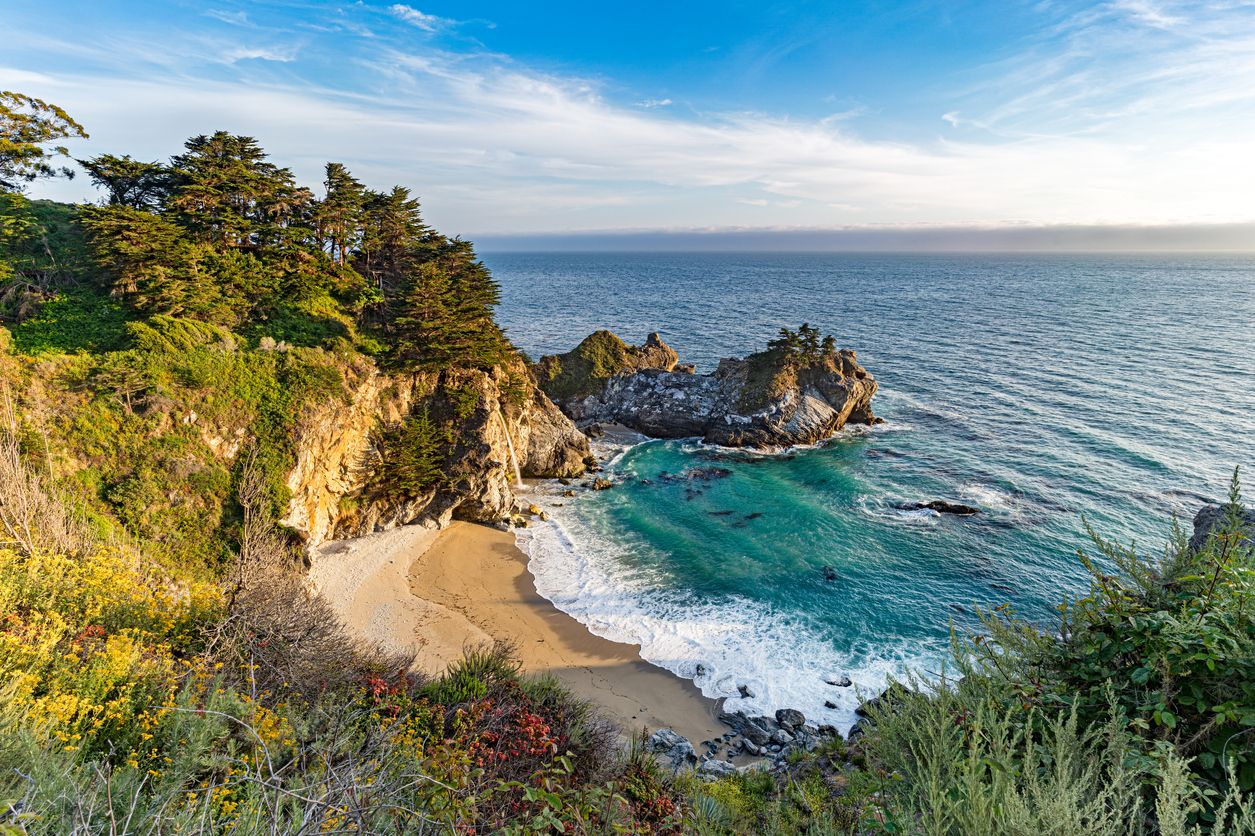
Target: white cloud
426, 22
280, 54
238, 18
651, 103
1147, 12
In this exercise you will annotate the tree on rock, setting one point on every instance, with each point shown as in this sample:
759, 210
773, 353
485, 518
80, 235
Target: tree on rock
444, 317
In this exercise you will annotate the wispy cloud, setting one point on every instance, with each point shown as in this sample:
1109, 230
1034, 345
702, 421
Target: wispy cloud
1147, 12
651, 103
411, 15
236, 18
281, 54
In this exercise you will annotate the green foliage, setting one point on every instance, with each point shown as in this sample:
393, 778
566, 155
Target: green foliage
43, 243
75, 319
27, 126
171, 334
412, 456
586, 368
471, 678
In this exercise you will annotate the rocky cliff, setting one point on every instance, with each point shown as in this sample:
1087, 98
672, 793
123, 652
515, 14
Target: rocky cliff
491, 422
1211, 517
778, 397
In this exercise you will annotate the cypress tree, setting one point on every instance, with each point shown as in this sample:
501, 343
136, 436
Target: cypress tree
129, 182
338, 217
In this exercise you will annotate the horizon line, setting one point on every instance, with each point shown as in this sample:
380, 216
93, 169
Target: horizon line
1233, 238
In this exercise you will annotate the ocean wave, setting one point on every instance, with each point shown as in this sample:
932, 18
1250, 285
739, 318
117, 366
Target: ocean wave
885, 509
721, 645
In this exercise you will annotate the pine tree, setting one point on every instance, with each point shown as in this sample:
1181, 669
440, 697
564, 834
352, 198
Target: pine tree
412, 456
338, 217
27, 125
129, 240
425, 327
394, 240
226, 193
444, 318
129, 182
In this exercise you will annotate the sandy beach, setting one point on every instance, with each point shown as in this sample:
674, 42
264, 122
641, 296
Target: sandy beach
432, 593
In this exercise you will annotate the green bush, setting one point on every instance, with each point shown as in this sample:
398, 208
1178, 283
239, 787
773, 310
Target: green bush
75, 319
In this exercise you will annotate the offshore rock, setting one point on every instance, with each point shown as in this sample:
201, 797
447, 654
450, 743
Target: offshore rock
775, 398
942, 506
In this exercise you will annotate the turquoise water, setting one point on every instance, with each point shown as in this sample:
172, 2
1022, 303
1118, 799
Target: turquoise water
1037, 388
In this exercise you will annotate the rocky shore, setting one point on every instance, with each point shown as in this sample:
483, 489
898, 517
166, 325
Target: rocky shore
797, 391
756, 742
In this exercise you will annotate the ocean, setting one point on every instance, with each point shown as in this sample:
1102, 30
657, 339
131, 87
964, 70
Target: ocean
1046, 390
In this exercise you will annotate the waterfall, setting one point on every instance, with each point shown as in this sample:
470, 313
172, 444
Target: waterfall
518, 474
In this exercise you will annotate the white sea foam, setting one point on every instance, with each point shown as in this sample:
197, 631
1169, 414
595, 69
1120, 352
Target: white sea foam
990, 498
885, 510
719, 644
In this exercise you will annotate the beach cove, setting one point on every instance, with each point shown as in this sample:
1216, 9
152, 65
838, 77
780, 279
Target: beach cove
432, 593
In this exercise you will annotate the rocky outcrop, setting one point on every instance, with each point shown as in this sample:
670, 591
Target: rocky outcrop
941, 506
672, 748
1210, 517
585, 369
774, 738
774, 398
491, 420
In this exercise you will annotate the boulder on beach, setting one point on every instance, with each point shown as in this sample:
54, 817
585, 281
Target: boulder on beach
715, 768
672, 747
790, 719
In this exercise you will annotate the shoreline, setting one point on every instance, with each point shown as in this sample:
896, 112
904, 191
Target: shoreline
431, 593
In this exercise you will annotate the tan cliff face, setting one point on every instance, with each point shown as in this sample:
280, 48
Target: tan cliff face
335, 494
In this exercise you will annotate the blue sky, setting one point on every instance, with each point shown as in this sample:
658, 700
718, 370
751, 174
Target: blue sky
563, 117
